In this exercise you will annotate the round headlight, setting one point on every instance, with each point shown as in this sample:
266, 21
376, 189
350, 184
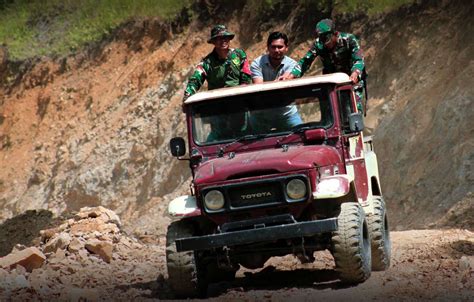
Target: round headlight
296, 189
214, 200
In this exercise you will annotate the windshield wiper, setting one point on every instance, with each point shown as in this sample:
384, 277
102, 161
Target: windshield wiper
299, 129
246, 137
303, 127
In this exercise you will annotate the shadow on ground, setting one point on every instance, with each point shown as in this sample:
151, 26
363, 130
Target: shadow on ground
267, 279
270, 278
22, 229
460, 248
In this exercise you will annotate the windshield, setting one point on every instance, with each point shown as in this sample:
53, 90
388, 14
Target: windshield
268, 113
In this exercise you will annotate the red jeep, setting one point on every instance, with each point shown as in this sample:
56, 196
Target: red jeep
278, 168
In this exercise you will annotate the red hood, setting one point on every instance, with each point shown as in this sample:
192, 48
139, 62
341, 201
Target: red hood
264, 162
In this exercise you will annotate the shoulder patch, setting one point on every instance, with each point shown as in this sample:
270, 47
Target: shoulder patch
236, 61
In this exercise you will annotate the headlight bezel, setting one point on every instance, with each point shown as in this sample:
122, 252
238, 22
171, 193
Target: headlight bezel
298, 182
218, 194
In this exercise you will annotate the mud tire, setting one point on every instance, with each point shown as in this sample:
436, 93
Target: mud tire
380, 236
351, 245
184, 270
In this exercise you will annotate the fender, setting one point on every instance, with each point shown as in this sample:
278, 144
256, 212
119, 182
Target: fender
372, 170
183, 206
333, 187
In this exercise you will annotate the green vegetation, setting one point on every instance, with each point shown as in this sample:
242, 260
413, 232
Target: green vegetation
371, 7
57, 27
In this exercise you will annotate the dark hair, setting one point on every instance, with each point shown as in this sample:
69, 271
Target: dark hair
275, 36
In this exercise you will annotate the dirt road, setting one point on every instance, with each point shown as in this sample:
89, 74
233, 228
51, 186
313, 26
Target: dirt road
426, 265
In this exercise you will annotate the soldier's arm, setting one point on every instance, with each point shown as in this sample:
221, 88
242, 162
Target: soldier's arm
358, 64
245, 74
195, 81
305, 62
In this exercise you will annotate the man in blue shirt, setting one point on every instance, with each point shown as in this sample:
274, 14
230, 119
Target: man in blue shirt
271, 67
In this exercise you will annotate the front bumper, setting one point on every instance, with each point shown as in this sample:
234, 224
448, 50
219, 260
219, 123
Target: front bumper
260, 235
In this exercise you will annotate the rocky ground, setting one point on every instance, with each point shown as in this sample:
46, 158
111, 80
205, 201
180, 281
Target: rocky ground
89, 257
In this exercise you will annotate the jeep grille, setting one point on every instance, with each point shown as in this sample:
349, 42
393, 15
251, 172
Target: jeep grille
256, 194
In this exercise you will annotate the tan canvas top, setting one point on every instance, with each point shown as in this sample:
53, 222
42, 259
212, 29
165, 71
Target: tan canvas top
334, 78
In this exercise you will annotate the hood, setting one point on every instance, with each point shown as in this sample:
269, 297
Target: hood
264, 162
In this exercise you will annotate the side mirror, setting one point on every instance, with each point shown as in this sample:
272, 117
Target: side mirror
356, 122
177, 146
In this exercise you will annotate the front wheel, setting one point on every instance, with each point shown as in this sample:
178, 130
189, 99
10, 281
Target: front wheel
380, 236
184, 270
351, 245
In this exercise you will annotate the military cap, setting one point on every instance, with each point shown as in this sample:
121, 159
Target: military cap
324, 26
220, 31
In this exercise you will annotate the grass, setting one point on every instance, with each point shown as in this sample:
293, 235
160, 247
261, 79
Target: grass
58, 27
32, 28
371, 7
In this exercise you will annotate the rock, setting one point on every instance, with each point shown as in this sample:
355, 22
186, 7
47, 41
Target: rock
106, 215
37, 279
101, 248
62, 227
3, 274
59, 242
75, 245
21, 282
18, 247
47, 234
30, 258
90, 226
83, 255
20, 269
465, 264
58, 256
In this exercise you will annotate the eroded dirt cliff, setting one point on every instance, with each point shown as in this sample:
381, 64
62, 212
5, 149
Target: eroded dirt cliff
92, 129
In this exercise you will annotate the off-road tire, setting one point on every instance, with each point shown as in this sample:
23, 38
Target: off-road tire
351, 245
380, 236
184, 271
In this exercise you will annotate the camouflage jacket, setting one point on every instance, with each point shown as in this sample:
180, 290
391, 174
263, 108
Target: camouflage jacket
218, 73
346, 57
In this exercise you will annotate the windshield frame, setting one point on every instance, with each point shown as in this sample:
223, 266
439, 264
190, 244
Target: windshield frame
326, 89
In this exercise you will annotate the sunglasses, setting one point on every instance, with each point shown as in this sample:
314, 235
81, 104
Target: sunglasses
325, 37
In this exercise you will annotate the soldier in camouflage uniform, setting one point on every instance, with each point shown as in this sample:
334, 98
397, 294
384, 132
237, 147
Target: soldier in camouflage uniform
339, 52
223, 67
